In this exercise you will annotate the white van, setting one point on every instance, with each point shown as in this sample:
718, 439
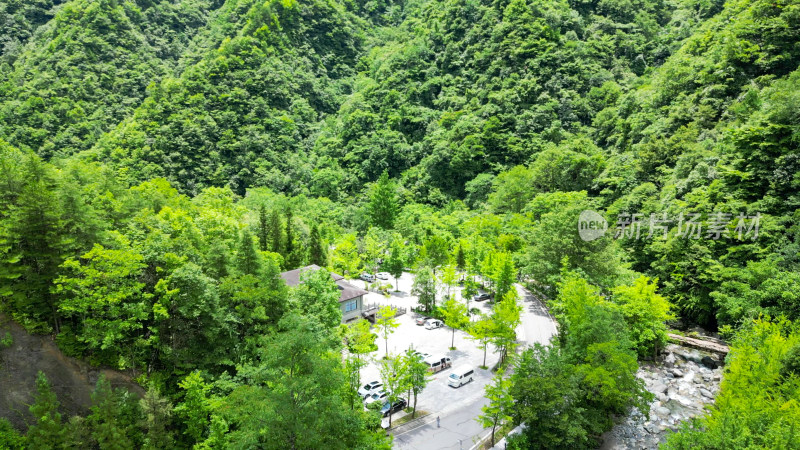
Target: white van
460, 376
438, 363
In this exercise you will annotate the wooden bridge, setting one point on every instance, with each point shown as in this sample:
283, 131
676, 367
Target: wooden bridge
370, 311
708, 345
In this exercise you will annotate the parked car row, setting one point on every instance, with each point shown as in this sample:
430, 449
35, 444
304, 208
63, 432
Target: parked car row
372, 392
371, 278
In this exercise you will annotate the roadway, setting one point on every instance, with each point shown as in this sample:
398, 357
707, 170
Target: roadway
458, 428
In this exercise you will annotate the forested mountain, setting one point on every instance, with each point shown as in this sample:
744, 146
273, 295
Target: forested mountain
242, 116
88, 68
20, 19
161, 161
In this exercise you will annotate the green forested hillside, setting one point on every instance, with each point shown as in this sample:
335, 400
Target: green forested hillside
163, 161
20, 19
88, 68
243, 115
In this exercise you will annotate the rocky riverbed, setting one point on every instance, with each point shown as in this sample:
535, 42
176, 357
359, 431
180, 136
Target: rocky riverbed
684, 381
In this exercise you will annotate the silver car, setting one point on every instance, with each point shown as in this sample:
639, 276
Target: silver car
432, 324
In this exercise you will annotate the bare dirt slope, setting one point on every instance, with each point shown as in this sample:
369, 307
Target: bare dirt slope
72, 380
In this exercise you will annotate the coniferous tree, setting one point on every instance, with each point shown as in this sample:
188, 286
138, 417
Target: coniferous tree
110, 420
316, 249
218, 261
247, 257
461, 261
383, 207
48, 431
275, 233
33, 246
157, 414
293, 252
263, 229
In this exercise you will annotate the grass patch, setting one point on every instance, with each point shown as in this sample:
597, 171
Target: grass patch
407, 418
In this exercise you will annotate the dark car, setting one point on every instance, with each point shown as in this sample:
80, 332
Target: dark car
482, 297
399, 405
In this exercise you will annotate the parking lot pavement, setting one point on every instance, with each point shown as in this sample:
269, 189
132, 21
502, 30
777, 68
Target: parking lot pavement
438, 396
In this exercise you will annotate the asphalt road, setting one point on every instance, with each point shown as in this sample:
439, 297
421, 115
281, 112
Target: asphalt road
458, 428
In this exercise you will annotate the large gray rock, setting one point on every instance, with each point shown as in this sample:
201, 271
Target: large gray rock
709, 362
706, 393
658, 388
677, 373
669, 360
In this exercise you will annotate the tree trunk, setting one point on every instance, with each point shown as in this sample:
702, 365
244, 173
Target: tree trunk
484, 353
453, 338
414, 412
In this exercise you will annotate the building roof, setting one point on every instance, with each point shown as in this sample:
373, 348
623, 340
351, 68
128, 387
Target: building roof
348, 291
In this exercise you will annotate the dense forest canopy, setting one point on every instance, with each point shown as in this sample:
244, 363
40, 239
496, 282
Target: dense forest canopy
162, 161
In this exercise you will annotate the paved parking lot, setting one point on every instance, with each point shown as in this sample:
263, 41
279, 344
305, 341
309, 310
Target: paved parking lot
438, 397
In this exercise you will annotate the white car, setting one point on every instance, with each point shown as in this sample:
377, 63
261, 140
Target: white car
369, 388
379, 396
432, 324
383, 275
367, 277
422, 355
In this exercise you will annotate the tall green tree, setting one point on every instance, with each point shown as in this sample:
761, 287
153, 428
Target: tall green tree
482, 331
395, 262
345, 258
449, 278
317, 252
248, 261
503, 274
547, 399
455, 316
395, 379
383, 206
293, 251
276, 238
460, 258
317, 295
48, 430
425, 288
498, 411
263, 229
505, 320
102, 295
114, 417
33, 247
157, 414
646, 313
195, 407
417, 376
386, 322
297, 373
